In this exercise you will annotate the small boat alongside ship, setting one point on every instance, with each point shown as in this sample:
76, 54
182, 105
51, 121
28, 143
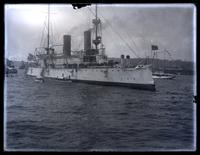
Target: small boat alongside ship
89, 65
10, 68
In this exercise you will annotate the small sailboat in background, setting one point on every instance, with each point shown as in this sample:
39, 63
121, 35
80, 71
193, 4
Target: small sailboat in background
160, 73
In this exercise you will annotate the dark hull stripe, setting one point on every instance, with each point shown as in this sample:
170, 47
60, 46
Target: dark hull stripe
131, 85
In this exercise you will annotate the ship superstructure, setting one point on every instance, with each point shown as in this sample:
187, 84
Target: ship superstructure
89, 65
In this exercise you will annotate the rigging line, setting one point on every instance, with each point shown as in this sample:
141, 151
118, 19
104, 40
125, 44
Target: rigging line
43, 31
91, 11
101, 34
121, 47
52, 23
146, 42
87, 18
120, 36
142, 35
45, 27
169, 54
52, 27
146, 45
133, 42
130, 38
51, 32
48, 28
52, 36
54, 32
42, 36
94, 16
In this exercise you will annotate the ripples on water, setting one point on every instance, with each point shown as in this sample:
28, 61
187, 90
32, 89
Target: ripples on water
63, 116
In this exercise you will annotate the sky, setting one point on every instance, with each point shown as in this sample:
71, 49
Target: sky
126, 28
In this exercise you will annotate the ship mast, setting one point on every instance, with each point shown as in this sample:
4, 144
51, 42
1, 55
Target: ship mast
96, 26
48, 30
96, 23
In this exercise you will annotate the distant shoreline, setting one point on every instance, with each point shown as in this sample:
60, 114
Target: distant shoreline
171, 66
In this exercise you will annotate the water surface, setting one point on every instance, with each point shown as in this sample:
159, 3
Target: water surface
66, 116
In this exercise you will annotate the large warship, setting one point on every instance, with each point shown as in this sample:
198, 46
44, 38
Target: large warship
90, 65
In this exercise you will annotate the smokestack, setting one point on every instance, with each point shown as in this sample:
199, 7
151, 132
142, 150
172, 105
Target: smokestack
67, 45
122, 61
128, 57
87, 40
128, 62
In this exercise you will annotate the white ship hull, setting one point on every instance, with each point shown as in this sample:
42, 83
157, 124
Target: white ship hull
139, 77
